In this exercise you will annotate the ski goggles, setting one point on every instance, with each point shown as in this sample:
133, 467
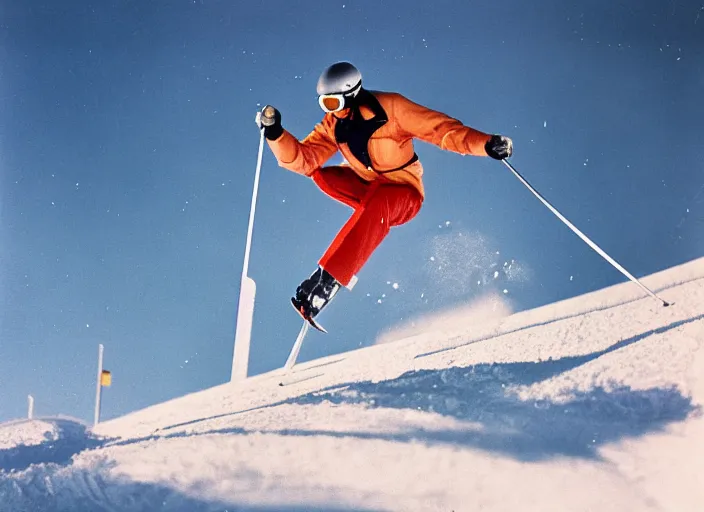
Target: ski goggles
336, 102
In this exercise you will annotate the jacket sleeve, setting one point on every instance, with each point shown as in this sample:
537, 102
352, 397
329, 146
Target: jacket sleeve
431, 126
305, 156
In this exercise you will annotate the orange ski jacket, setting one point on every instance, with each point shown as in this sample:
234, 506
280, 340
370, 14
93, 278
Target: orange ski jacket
389, 151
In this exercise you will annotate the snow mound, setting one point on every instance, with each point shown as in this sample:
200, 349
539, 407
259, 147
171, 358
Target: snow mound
27, 432
46, 441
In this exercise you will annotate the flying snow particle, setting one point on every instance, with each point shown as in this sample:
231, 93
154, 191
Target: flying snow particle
378, 301
447, 222
496, 274
505, 290
571, 278
388, 282
545, 124
395, 286
432, 258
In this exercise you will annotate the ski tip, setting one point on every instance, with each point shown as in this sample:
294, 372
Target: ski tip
317, 325
311, 321
314, 324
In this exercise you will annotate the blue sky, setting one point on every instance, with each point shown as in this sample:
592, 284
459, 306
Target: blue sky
128, 148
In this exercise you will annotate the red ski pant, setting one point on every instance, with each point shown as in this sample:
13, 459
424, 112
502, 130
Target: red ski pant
378, 206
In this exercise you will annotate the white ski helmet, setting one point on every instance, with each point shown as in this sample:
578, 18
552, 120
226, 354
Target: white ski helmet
340, 78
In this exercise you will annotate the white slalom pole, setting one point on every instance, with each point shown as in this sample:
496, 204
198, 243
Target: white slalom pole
30, 403
248, 289
98, 386
582, 235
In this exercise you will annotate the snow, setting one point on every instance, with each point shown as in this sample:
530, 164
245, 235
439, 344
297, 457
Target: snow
463, 261
592, 403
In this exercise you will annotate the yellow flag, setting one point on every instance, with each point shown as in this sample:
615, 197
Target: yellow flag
105, 379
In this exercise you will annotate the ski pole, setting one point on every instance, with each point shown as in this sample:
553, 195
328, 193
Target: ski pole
248, 287
253, 206
581, 235
267, 118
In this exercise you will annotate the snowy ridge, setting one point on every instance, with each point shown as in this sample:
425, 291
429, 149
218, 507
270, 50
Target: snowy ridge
592, 403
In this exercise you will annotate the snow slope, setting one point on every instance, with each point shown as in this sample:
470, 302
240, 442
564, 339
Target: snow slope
591, 404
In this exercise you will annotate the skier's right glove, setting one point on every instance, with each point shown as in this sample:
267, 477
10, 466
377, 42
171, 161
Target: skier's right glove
499, 147
269, 119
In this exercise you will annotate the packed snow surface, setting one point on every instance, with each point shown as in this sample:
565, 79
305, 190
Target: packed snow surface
590, 404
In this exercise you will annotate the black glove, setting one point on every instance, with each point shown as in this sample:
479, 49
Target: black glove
499, 147
270, 120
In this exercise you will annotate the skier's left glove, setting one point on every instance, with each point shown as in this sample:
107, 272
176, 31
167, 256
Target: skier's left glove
499, 147
269, 119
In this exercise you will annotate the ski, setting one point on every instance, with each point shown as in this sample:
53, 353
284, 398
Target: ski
297, 346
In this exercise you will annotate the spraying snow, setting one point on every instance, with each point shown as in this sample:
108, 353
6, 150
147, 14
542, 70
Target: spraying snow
461, 262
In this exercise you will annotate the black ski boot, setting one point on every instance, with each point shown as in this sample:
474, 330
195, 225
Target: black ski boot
313, 294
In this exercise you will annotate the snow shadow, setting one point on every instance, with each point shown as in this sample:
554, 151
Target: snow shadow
498, 420
66, 439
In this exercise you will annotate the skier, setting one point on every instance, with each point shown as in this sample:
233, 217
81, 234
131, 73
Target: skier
382, 181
